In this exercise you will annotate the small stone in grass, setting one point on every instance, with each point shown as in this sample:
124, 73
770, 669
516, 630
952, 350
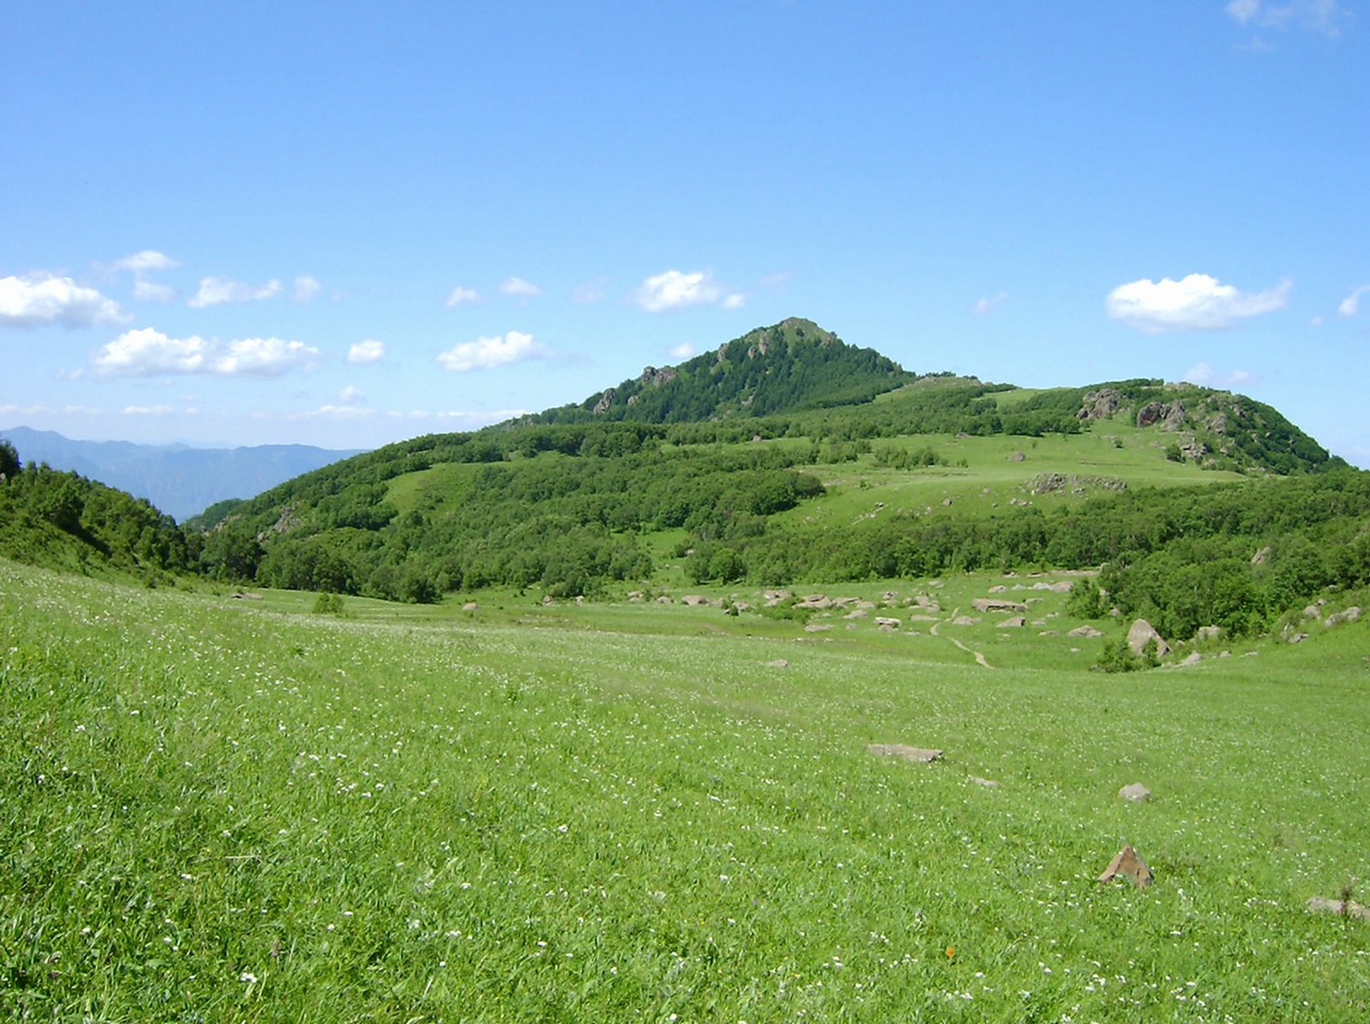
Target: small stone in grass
1136, 792
916, 754
1126, 863
1346, 908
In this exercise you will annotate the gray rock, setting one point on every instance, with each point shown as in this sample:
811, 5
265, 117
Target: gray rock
1135, 792
1140, 634
997, 604
1349, 615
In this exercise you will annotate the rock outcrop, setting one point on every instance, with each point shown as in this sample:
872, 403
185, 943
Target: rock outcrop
1140, 634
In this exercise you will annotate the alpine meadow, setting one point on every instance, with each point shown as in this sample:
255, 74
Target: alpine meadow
780, 684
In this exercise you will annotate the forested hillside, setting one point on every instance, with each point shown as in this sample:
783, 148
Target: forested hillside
792, 365
786, 457
63, 520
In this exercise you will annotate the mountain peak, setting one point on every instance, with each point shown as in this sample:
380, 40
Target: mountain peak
792, 365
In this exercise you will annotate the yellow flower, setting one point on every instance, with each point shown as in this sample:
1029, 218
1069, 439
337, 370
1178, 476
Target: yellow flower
951, 952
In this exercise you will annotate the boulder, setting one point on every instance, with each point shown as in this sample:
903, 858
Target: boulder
1013, 622
1208, 633
470, 606
1135, 792
1085, 630
964, 620
886, 622
1348, 615
1100, 405
694, 600
997, 604
1140, 634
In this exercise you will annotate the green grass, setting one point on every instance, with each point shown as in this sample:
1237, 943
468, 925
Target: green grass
217, 809
992, 477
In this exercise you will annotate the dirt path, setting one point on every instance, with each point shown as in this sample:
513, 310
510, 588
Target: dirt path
979, 658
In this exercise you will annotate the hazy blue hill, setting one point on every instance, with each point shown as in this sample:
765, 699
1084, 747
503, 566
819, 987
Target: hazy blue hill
177, 479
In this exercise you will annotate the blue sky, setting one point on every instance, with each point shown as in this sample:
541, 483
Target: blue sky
346, 224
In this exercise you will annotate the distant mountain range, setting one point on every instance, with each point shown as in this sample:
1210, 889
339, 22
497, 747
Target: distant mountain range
178, 479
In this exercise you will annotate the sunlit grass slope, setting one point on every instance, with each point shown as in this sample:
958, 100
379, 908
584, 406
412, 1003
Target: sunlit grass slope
219, 810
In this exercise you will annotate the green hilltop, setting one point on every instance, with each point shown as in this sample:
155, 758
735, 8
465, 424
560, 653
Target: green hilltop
788, 367
784, 457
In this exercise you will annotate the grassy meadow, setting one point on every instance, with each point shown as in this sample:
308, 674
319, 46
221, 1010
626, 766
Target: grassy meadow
216, 809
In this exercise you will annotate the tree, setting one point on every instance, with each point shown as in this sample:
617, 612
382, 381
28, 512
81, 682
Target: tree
9, 461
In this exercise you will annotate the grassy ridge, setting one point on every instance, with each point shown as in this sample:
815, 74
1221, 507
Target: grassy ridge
220, 809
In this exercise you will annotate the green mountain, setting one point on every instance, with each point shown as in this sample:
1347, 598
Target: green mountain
785, 457
790, 366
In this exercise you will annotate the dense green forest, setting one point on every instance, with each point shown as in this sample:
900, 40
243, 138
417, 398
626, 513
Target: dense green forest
66, 521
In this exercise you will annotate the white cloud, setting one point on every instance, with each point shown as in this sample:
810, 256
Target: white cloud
777, 280
734, 301
519, 288
682, 351
148, 410
263, 357
1205, 375
1350, 305
141, 262
986, 305
1324, 16
352, 395
460, 295
215, 291
307, 288
41, 299
1195, 303
488, 353
368, 351
147, 352
675, 289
